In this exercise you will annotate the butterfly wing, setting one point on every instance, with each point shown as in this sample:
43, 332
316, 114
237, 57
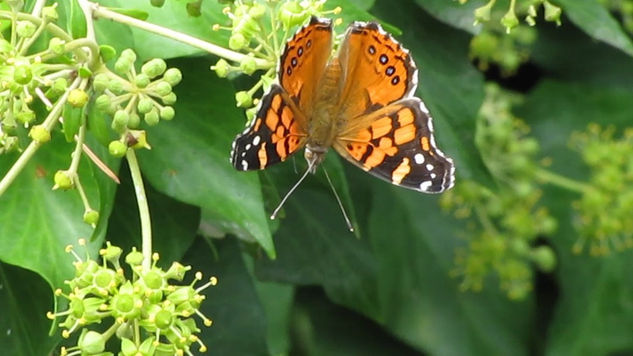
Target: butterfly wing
279, 128
376, 69
396, 143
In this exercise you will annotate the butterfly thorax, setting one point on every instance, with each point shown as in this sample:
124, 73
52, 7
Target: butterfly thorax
323, 118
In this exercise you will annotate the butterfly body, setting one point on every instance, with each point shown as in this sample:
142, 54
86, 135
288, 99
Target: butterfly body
359, 102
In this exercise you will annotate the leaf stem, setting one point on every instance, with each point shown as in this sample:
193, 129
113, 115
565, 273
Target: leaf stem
100, 12
562, 181
143, 208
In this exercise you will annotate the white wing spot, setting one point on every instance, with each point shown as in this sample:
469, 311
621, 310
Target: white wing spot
429, 167
426, 185
419, 158
244, 154
433, 175
424, 108
248, 146
246, 130
244, 164
256, 140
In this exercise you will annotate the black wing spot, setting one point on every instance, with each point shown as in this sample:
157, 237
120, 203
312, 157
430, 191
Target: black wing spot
289, 70
372, 49
300, 51
395, 80
390, 70
383, 59
309, 44
293, 61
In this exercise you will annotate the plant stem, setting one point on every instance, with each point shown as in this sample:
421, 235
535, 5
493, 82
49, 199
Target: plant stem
30, 150
561, 181
100, 12
143, 208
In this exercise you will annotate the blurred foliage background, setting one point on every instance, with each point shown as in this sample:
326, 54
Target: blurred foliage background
528, 254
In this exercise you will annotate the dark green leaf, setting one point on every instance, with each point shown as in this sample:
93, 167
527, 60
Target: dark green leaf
453, 13
189, 159
594, 19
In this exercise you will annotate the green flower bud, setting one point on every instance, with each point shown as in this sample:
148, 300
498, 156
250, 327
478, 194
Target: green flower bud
59, 85
237, 41
117, 148
129, 55
100, 82
169, 99
107, 52
530, 21
63, 180
221, 68
544, 258
78, 98
134, 258
123, 65
22, 74
154, 67
85, 72
510, 20
248, 65
56, 45
482, 14
243, 99
145, 105
552, 12
40, 134
257, 10
49, 13
25, 29
103, 103
164, 319
116, 86
292, 14
152, 117
162, 88
91, 217
167, 113
141, 80
134, 120
25, 116
120, 120
173, 76
91, 342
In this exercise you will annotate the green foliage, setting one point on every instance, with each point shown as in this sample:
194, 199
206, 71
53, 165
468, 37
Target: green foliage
530, 253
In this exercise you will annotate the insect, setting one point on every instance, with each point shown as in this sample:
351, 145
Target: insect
359, 102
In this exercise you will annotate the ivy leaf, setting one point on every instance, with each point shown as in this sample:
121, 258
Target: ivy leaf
453, 13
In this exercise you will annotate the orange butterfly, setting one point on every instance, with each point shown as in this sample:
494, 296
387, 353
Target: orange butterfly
360, 102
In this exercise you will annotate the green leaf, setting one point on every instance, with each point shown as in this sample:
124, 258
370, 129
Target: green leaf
24, 327
189, 160
38, 223
71, 14
239, 323
453, 13
594, 292
594, 19
174, 224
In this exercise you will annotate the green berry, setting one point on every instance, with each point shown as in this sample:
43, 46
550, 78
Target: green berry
91, 342
40, 134
25, 29
243, 99
152, 117
78, 98
123, 65
173, 76
145, 105
141, 80
116, 86
134, 121
129, 55
248, 65
154, 67
162, 88
104, 103
63, 180
221, 68
120, 120
22, 74
544, 258
91, 217
237, 41
167, 113
117, 148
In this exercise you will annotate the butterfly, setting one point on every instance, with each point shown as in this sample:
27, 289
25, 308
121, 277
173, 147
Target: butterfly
359, 102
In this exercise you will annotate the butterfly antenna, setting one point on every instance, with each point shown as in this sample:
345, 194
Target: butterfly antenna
340, 203
274, 214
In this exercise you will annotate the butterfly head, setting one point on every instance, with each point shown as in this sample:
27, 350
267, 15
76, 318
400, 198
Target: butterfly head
314, 154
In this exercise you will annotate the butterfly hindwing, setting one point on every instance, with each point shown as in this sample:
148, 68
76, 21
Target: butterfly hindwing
275, 133
397, 145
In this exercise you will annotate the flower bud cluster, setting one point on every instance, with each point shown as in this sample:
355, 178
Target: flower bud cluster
258, 28
505, 222
146, 313
132, 97
604, 210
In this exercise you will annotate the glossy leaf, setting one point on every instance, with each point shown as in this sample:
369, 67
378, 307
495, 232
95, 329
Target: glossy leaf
453, 13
